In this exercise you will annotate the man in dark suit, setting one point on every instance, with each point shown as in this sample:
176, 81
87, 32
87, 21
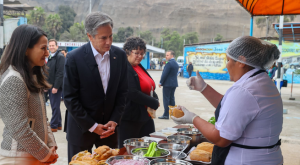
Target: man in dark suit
55, 63
169, 82
95, 88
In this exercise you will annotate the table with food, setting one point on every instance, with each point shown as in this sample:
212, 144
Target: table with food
179, 145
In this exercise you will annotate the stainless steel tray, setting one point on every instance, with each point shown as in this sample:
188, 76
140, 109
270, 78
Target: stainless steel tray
121, 157
169, 162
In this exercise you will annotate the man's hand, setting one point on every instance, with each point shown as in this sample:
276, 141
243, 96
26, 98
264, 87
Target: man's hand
100, 129
111, 126
54, 90
159, 85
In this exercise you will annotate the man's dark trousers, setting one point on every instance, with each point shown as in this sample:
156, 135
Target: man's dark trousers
169, 98
55, 100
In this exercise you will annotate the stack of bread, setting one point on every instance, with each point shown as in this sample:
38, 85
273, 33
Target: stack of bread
98, 157
203, 152
174, 111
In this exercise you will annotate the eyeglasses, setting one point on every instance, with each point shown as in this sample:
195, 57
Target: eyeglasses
137, 54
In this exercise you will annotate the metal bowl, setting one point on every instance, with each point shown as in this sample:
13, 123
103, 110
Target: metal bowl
171, 146
179, 139
109, 160
175, 154
143, 151
189, 131
133, 143
169, 162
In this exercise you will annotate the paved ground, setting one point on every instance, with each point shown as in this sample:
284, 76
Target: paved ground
195, 102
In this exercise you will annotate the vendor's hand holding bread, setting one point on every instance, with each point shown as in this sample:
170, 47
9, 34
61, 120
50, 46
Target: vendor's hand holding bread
187, 118
196, 83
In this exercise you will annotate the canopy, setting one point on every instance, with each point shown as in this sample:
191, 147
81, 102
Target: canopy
271, 7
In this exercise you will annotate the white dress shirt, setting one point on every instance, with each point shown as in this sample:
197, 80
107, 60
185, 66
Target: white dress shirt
103, 62
51, 55
252, 114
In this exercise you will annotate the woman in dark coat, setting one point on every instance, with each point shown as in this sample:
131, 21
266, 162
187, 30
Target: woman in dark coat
136, 121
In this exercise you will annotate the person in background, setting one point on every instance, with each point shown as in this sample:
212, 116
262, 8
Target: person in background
27, 137
136, 121
64, 52
55, 64
281, 76
190, 69
95, 88
272, 70
249, 116
161, 63
169, 82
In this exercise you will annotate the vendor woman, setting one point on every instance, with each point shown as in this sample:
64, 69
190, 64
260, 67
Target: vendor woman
249, 116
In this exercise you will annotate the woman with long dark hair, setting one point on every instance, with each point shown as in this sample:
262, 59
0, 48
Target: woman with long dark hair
27, 137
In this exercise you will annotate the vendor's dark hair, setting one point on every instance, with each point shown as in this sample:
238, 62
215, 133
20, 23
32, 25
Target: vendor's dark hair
24, 37
134, 43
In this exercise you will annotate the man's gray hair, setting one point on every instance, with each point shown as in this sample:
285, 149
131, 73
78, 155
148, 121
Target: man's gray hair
96, 19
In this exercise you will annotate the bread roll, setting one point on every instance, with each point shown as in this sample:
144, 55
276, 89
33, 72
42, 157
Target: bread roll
200, 155
206, 147
77, 162
176, 112
102, 153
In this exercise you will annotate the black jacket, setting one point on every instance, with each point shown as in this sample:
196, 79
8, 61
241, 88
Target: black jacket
84, 95
190, 68
137, 100
56, 70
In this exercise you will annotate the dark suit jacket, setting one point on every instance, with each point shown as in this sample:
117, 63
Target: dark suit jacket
136, 100
84, 95
169, 75
56, 70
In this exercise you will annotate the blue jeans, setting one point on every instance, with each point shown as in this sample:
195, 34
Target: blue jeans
168, 98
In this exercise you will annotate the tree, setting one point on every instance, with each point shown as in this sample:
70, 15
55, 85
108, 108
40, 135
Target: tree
53, 25
37, 17
67, 15
121, 34
219, 37
147, 36
76, 33
115, 38
171, 41
128, 32
191, 37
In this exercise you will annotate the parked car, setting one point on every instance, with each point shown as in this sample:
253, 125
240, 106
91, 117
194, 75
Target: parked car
180, 61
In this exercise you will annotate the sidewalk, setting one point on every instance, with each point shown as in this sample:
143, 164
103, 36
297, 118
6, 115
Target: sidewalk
195, 102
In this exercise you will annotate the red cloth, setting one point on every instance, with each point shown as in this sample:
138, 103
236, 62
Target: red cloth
145, 81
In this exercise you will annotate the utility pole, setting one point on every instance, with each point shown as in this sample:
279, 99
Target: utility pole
139, 30
90, 6
1, 27
267, 21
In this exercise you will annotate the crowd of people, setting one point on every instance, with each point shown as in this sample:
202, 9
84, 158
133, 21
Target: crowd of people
110, 97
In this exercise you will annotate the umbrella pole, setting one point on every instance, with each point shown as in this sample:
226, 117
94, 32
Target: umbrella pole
279, 61
291, 98
251, 26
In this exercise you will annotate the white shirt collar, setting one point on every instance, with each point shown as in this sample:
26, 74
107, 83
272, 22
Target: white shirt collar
95, 52
52, 54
